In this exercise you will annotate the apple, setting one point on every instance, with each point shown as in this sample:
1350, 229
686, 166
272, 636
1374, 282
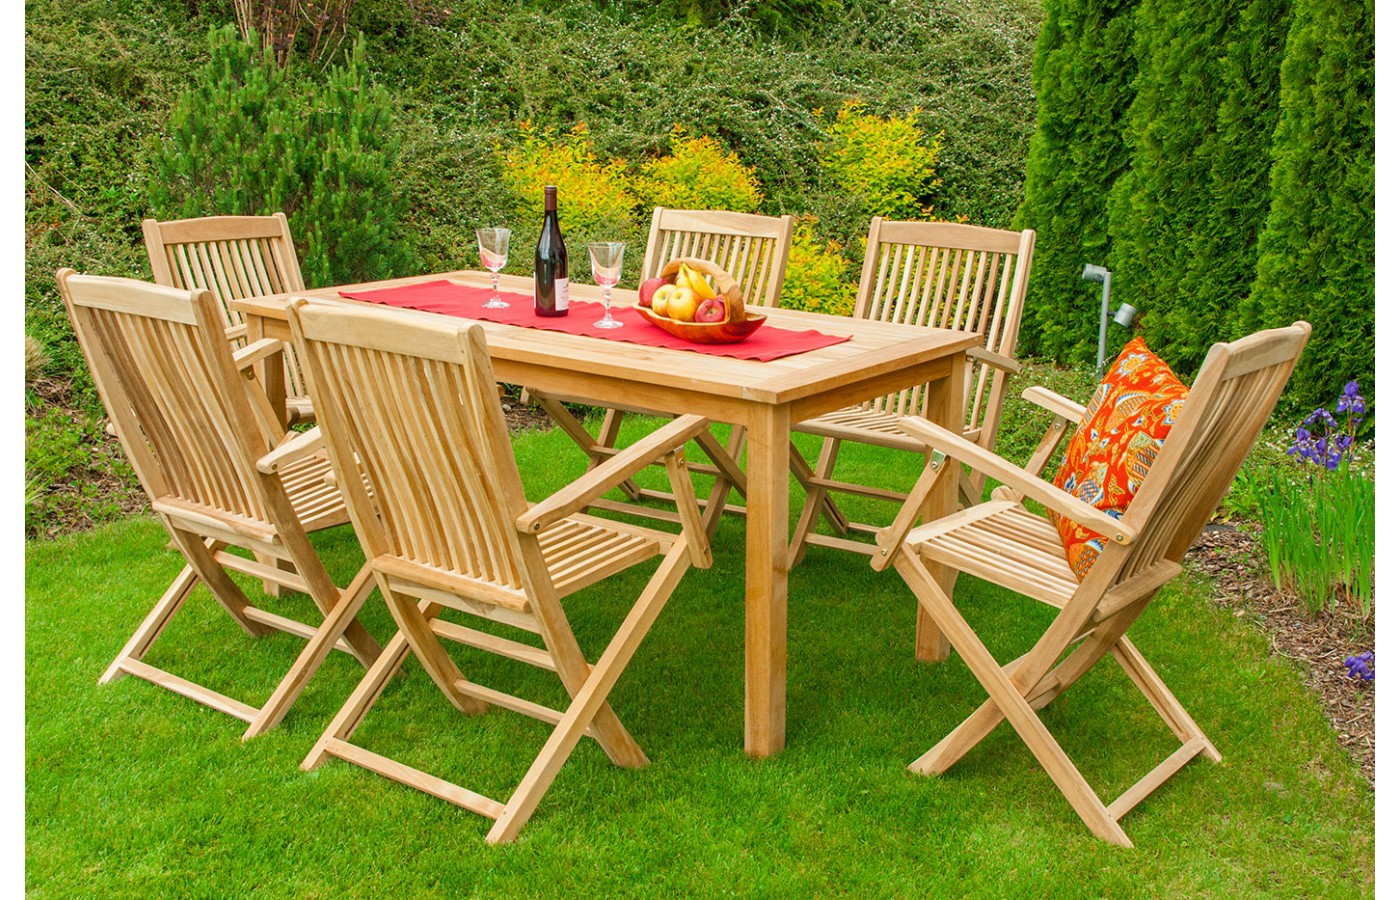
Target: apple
647, 289
661, 299
712, 310
683, 304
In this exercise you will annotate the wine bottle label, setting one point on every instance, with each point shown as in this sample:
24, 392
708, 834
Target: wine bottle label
561, 294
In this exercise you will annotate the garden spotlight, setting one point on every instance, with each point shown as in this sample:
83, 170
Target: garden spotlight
1124, 315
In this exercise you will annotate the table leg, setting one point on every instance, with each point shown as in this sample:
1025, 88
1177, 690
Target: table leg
270, 370
765, 596
944, 407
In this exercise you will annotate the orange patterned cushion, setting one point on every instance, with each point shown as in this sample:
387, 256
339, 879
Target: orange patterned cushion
1125, 424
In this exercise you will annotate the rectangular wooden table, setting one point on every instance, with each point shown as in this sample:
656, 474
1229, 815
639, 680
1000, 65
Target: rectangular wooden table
766, 397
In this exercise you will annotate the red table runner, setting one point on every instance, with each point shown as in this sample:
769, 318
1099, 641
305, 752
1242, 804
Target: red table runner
449, 298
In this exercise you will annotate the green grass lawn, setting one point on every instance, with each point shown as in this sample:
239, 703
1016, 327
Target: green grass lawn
134, 791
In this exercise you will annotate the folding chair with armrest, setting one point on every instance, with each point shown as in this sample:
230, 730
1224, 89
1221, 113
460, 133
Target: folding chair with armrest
233, 257
1003, 542
753, 249
934, 274
419, 443
219, 471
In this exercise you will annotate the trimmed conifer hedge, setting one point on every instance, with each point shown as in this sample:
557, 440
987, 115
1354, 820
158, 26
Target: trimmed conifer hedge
1083, 70
1318, 249
1220, 160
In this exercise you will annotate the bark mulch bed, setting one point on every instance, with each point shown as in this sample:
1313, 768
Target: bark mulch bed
1319, 644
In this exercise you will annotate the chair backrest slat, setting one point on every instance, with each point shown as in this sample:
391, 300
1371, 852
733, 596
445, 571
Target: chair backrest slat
947, 275
414, 407
232, 257
166, 374
753, 249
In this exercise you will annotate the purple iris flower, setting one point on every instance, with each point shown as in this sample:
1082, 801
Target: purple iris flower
1334, 442
1359, 666
1321, 415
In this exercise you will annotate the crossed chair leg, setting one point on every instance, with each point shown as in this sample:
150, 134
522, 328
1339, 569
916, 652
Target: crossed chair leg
588, 714
728, 475
205, 562
819, 482
1017, 692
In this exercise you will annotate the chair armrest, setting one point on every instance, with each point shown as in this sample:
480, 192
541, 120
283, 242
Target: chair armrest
256, 352
995, 360
236, 332
1049, 400
296, 447
610, 474
988, 463
1065, 412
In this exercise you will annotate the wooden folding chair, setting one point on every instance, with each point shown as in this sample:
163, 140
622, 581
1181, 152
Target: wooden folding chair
233, 257
419, 444
934, 274
753, 249
1003, 542
220, 472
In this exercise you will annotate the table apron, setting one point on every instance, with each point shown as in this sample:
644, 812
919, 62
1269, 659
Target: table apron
606, 390
862, 389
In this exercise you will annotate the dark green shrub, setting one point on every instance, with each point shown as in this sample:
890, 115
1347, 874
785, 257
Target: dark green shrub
251, 138
1083, 72
1167, 194
1222, 250
1317, 252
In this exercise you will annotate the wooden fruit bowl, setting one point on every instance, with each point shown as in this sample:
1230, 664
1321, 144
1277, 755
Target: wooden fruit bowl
737, 327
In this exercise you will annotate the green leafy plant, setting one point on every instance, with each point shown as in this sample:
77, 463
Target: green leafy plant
890, 163
595, 198
1320, 516
698, 174
251, 138
817, 277
1320, 537
102, 80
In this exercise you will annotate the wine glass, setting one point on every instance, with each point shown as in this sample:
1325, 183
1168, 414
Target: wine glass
494, 244
607, 271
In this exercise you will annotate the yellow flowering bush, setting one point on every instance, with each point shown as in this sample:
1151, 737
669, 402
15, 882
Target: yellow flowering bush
817, 276
889, 163
594, 197
698, 174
